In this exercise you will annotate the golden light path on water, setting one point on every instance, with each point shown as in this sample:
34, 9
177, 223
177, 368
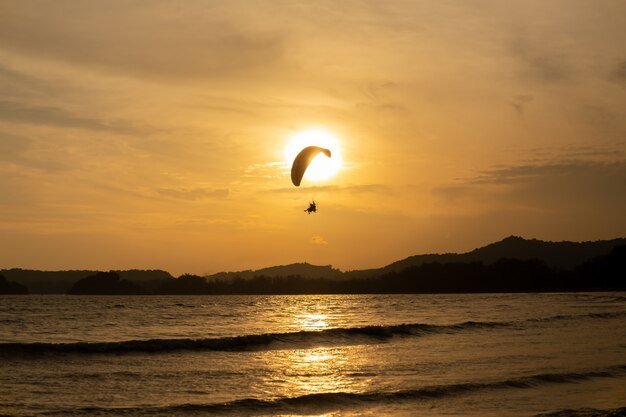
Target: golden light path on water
301, 372
312, 321
312, 370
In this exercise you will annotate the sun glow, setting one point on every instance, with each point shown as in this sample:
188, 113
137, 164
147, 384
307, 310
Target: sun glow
322, 167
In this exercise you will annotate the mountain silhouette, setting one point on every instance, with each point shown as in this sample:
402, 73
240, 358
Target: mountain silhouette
559, 255
582, 261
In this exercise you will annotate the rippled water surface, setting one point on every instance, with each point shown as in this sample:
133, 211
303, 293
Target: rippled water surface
409, 355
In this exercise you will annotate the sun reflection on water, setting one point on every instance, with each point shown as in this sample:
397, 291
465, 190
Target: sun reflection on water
317, 370
311, 321
309, 368
300, 372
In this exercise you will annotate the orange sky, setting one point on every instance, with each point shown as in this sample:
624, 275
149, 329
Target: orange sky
151, 134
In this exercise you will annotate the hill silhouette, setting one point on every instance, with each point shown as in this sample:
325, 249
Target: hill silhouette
304, 270
10, 287
185, 284
604, 273
59, 282
512, 264
559, 255
105, 283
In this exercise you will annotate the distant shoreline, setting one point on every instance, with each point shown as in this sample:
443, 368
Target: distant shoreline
513, 265
603, 290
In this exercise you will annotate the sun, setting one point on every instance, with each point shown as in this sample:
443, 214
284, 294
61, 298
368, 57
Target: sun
322, 167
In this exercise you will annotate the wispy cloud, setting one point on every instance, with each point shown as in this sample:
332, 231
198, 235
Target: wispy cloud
267, 170
607, 152
519, 103
18, 84
15, 112
619, 72
12, 145
318, 240
562, 186
24, 153
538, 63
193, 193
358, 188
163, 43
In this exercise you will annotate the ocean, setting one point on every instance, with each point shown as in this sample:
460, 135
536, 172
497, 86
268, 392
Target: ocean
561, 354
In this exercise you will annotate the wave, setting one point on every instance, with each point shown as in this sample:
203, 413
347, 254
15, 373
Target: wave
603, 298
322, 402
274, 341
586, 412
266, 341
605, 315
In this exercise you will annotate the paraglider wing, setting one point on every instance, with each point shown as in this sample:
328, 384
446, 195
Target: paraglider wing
303, 160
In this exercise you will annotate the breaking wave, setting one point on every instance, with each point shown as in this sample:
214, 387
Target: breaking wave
321, 402
336, 336
586, 412
273, 341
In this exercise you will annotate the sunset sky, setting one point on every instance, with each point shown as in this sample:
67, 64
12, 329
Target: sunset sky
153, 134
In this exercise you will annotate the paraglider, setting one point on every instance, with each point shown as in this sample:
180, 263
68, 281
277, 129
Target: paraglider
299, 166
312, 208
302, 161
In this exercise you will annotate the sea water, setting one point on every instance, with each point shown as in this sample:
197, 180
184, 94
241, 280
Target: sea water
314, 355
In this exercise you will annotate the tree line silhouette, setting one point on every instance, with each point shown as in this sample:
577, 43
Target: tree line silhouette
604, 273
601, 273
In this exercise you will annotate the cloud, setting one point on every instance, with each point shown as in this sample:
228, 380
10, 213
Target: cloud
360, 188
318, 240
18, 152
519, 103
609, 151
566, 169
451, 193
15, 83
619, 72
159, 40
544, 66
12, 146
267, 170
548, 68
567, 186
193, 193
582, 199
15, 112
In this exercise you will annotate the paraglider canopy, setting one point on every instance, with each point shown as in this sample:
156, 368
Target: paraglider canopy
302, 161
